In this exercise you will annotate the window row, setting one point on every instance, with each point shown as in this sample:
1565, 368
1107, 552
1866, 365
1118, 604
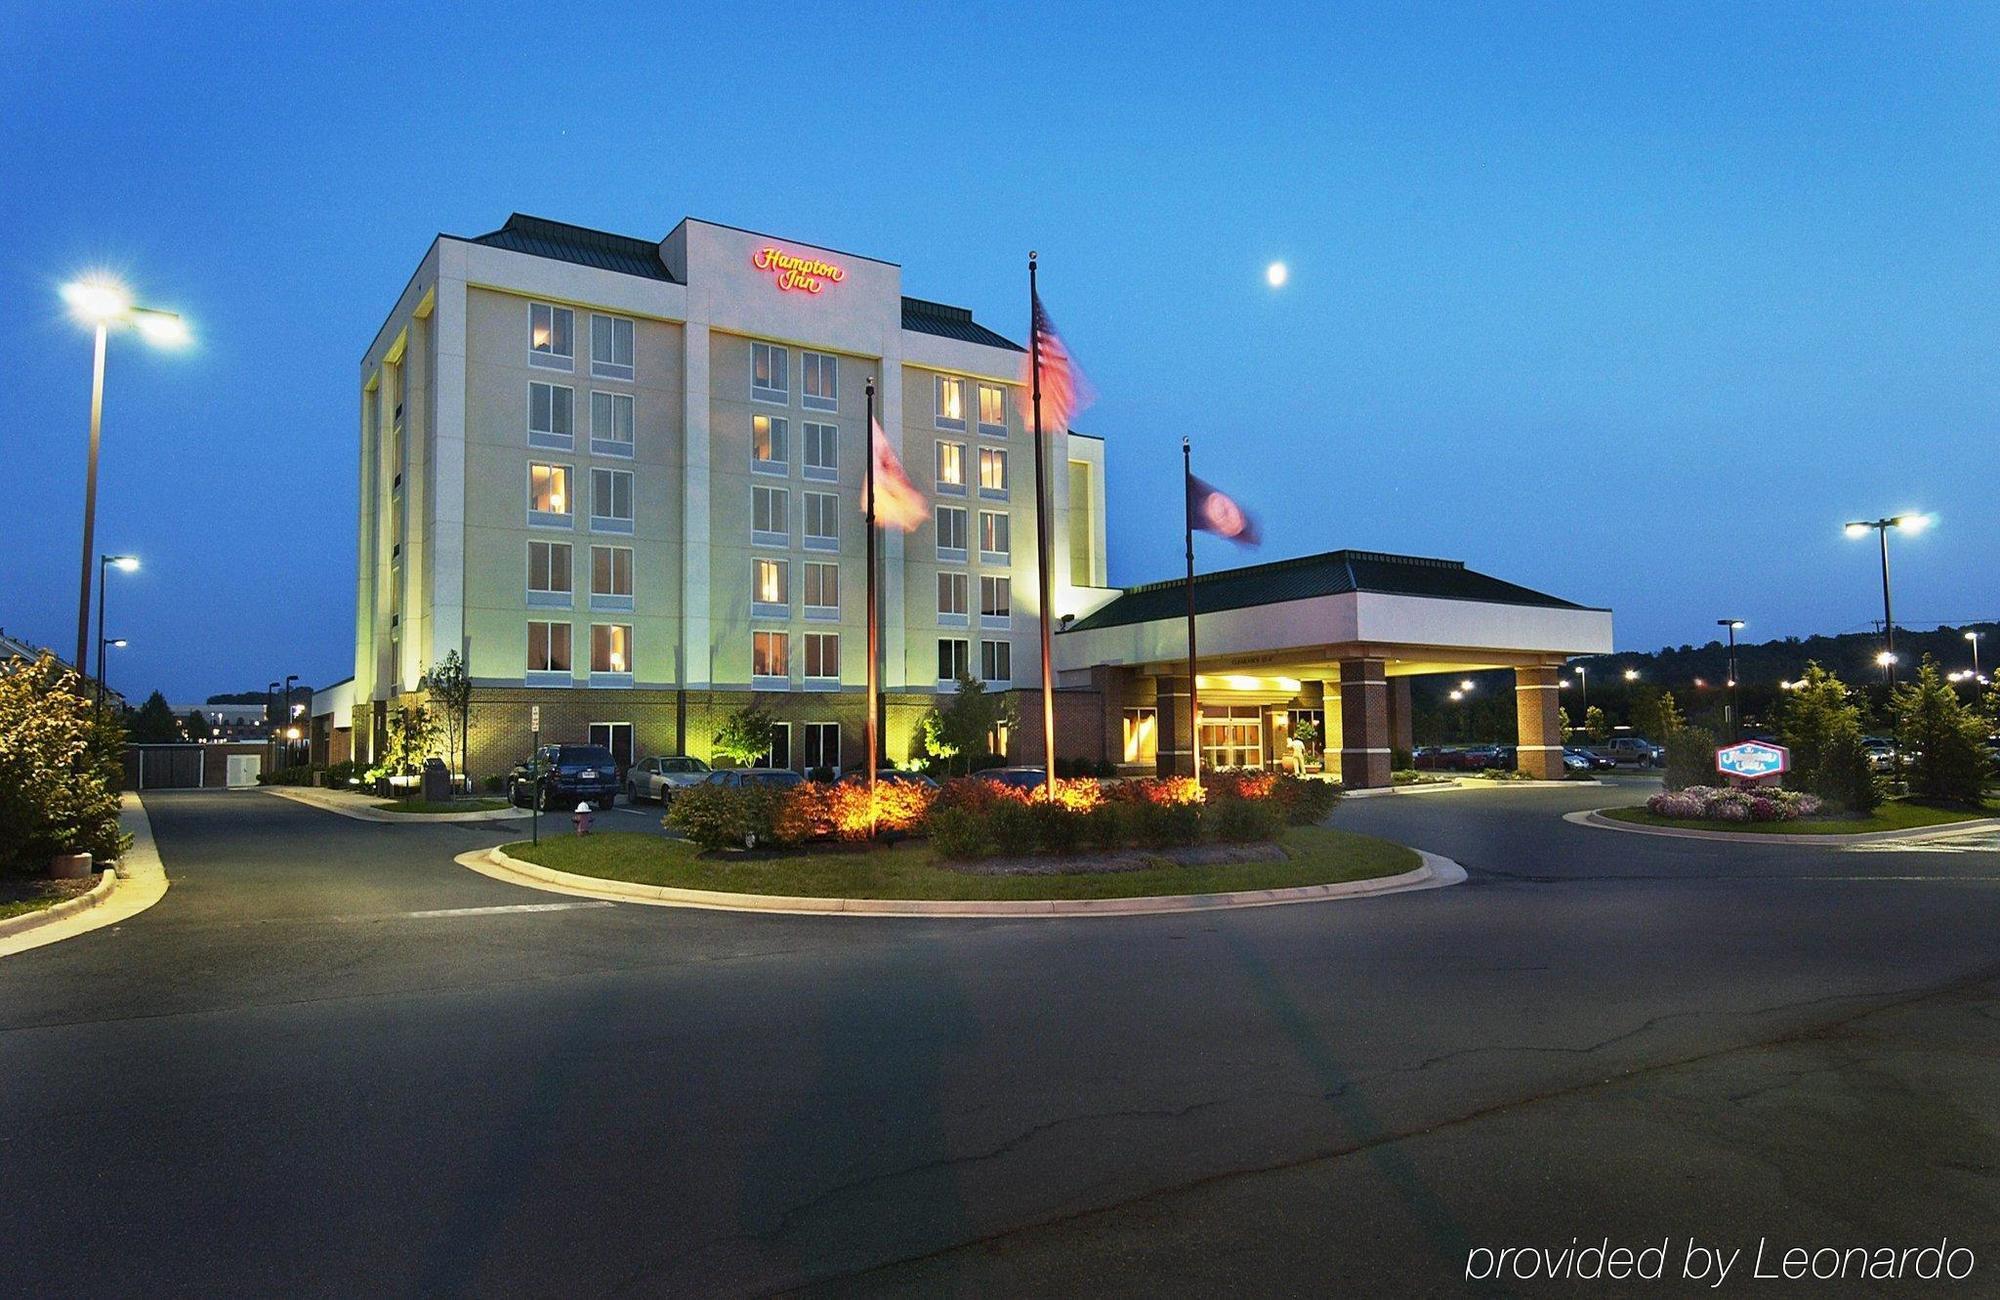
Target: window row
950, 392
552, 341
820, 746
550, 503
771, 651
995, 533
771, 518
771, 588
950, 476
771, 377
771, 448
551, 576
996, 599
549, 648
954, 660
552, 419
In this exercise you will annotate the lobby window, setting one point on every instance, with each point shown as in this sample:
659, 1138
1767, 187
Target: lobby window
822, 452
823, 656
770, 373
551, 337
952, 589
996, 600
950, 532
1142, 735
548, 495
769, 655
950, 402
770, 587
770, 516
611, 424
779, 755
992, 472
992, 409
611, 500
770, 445
616, 737
996, 661
548, 648
951, 467
954, 658
551, 416
822, 521
993, 535
822, 595
822, 745
610, 649
611, 347
549, 573
611, 577
819, 381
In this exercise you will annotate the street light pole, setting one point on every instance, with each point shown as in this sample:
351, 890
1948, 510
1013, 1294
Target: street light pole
126, 564
285, 717
1859, 528
1735, 716
1974, 638
90, 492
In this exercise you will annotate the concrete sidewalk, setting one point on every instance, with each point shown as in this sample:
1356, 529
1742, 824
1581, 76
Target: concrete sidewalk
363, 807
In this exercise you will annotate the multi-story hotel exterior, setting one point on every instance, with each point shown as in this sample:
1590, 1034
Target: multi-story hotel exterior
623, 479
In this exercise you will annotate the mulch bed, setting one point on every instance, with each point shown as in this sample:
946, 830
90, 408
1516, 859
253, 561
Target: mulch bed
1082, 864
27, 889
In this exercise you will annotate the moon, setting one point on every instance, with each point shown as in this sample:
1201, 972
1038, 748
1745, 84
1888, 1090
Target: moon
1276, 274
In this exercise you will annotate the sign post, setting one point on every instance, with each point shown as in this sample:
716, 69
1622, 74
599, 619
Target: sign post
534, 767
1753, 761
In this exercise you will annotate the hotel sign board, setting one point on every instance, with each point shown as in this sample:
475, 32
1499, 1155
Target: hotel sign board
1753, 760
794, 273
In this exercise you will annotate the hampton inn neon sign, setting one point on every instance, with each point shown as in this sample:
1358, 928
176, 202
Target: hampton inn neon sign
805, 274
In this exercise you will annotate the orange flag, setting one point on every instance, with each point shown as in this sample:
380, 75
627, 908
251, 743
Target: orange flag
898, 503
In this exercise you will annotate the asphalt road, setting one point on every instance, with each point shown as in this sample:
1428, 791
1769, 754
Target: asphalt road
323, 1065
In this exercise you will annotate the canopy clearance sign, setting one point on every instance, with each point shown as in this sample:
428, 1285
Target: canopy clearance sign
795, 273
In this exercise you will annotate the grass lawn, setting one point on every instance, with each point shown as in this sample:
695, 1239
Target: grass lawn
1317, 856
450, 806
1894, 815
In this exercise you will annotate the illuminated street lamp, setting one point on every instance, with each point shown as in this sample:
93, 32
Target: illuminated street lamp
1974, 638
1631, 674
124, 564
1735, 721
102, 304
1910, 523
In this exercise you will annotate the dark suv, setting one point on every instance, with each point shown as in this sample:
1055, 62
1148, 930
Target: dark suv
559, 777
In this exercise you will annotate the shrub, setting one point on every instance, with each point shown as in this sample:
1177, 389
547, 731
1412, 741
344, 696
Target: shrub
340, 776
1241, 821
1108, 826
1158, 790
494, 784
1305, 803
58, 767
1690, 757
1950, 763
1076, 793
1012, 827
1240, 784
1721, 803
299, 774
1823, 730
1058, 829
957, 834
715, 816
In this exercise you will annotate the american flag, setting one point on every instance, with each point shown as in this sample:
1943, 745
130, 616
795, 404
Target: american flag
899, 503
1065, 391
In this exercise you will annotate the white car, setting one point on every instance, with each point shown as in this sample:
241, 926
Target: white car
659, 778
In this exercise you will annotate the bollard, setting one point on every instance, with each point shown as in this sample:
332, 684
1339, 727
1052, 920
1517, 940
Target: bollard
582, 819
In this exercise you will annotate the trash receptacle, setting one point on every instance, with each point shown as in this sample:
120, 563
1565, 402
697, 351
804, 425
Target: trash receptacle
437, 781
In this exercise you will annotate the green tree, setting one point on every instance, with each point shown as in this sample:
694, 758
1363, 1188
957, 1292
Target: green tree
196, 725
1596, 725
1822, 728
1950, 762
449, 691
1563, 725
412, 738
964, 725
1668, 716
1690, 758
1644, 714
155, 723
744, 736
58, 766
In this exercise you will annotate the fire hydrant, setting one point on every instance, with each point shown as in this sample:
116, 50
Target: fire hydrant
582, 819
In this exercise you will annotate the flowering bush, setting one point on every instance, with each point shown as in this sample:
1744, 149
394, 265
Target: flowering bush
1164, 790
1730, 804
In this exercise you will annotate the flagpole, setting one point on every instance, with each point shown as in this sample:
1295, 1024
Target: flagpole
1194, 694
874, 631
1042, 540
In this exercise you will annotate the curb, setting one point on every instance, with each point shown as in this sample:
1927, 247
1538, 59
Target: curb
139, 881
366, 814
29, 921
1468, 783
1433, 872
1917, 834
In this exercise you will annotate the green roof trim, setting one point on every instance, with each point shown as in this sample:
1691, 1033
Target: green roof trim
562, 242
1332, 573
923, 317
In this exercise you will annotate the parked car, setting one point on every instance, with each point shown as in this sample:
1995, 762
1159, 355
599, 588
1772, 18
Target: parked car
738, 778
1591, 761
1428, 758
1633, 749
658, 778
1881, 753
1576, 761
1021, 778
1505, 757
559, 777
890, 776
1477, 758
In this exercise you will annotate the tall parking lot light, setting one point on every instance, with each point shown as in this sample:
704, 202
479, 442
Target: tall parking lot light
1909, 523
1735, 719
1973, 637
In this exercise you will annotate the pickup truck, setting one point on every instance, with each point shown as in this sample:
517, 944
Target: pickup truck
1632, 749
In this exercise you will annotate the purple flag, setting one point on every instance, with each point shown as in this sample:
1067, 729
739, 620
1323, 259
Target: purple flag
1213, 511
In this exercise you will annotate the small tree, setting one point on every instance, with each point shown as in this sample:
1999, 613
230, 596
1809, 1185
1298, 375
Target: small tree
744, 736
58, 767
196, 725
1690, 758
1563, 724
963, 726
155, 723
1668, 716
1822, 728
413, 737
1950, 763
449, 690
1596, 725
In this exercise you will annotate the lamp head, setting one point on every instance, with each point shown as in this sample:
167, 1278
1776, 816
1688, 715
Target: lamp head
1465, 685
1973, 636
1631, 674
123, 563
118, 641
1915, 523
97, 299
162, 328
1885, 659
1858, 530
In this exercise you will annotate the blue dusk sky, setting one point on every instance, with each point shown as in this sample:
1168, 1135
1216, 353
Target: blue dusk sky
1631, 303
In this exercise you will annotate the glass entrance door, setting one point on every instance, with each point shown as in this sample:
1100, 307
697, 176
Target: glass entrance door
1232, 737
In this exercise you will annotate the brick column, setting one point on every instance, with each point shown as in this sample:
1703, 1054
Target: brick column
1364, 724
1175, 755
1402, 733
1537, 727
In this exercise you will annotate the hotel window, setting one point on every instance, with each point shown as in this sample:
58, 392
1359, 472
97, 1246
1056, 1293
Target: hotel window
950, 403
992, 472
548, 495
616, 737
768, 651
779, 755
823, 656
822, 745
770, 445
611, 347
549, 573
610, 648
551, 337
548, 648
770, 588
770, 373
952, 588
819, 381
551, 416
992, 409
996, 661
950, 532
611, 500
770, 516
822, 521
992, 535
822, 590
822, 453
951, 467
611, 424
954, 658
1142, 735
996, 599
611, 577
